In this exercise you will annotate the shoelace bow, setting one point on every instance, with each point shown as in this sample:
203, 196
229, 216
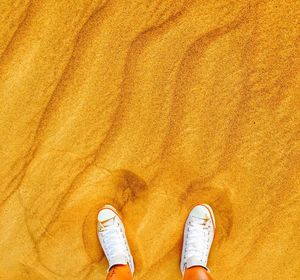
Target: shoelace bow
113, 241
198, 238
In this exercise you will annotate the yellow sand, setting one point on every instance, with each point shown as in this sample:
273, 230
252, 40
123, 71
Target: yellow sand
153, 106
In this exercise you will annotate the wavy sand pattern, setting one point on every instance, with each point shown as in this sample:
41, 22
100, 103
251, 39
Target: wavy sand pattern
153, 106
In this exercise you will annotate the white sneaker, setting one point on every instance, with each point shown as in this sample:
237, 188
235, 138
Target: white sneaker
198, 236
112, 238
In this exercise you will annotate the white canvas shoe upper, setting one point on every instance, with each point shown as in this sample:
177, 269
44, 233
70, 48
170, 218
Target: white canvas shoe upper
112, 238
198, 237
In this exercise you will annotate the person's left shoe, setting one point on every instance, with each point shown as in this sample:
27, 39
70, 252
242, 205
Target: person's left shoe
111, 234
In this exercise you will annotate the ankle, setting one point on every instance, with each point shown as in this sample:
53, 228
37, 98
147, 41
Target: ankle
122, 266
120, 269
197, 272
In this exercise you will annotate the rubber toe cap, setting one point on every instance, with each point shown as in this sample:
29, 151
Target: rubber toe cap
106, 214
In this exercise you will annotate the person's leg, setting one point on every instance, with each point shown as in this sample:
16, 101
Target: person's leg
120, 272
197, 273
111, 234
197, 240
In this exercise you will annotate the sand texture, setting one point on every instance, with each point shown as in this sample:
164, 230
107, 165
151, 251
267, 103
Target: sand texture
152, 106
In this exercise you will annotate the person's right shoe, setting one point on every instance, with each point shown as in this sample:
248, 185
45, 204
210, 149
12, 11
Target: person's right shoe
198, 237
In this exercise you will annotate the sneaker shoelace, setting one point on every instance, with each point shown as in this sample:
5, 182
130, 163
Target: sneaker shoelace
114, 241
197, 244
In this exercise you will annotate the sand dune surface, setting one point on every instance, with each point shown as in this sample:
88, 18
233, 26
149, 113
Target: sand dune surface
152, 106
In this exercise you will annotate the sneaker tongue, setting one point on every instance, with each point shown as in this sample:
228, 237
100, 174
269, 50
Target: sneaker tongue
194, 261
117, 260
